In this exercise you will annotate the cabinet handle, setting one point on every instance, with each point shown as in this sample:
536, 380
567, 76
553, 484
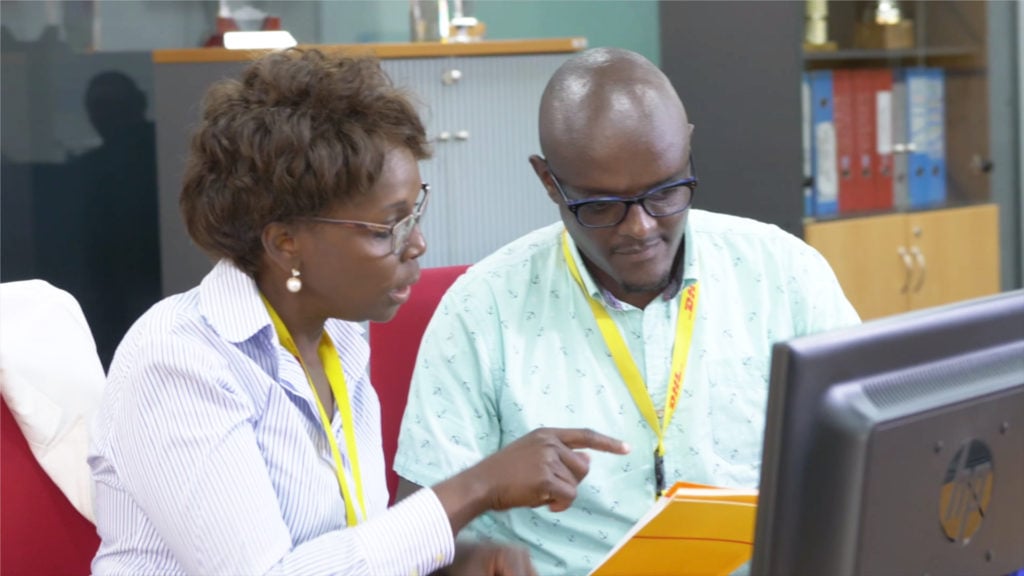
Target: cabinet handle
462, 135
909, 265
451, 77
919, 256
444, 136
981, 165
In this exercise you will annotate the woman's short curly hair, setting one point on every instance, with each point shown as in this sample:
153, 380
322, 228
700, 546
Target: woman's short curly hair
299, 132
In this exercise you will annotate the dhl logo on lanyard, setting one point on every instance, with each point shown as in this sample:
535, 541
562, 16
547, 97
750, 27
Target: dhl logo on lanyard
689, 303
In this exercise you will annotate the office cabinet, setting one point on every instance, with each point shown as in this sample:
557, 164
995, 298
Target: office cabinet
481, 116
964, 243
745, 100
864, 254
898, 262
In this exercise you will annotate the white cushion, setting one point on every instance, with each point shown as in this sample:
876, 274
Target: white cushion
52, 381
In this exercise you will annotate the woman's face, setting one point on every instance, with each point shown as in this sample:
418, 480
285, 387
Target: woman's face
353, 273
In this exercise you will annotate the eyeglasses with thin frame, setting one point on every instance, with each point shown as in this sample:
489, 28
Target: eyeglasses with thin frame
399, 232
663, 200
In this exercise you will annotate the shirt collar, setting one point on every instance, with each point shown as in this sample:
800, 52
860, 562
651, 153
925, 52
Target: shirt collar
691, 262
230, 301
684, 275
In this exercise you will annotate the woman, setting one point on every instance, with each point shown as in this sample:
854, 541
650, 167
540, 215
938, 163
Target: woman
239, 433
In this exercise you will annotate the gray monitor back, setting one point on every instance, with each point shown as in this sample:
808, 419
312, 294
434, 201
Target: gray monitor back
897, 447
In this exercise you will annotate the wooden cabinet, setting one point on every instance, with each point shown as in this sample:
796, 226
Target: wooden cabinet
864, 254
959, 254
898, 262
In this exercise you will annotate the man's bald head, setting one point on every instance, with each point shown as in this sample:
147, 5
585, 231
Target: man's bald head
612, 126
608, 96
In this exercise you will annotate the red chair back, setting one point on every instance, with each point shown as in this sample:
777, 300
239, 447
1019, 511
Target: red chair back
393, 349
40, 531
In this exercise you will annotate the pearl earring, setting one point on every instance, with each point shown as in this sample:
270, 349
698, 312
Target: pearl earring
294, 284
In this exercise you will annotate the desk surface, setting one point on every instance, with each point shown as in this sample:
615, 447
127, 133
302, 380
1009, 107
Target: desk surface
388, 50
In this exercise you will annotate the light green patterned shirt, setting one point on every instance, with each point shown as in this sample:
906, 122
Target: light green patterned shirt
514, 346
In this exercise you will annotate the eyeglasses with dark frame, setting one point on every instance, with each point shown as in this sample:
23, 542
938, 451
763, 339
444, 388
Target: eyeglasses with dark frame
399, 231
663, 200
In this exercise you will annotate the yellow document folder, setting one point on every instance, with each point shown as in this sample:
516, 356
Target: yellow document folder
693, 530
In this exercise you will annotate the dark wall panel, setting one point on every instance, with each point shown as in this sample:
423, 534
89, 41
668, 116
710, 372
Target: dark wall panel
179, 92
737, 66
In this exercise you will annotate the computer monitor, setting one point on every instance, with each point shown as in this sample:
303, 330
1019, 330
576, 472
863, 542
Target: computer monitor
897, 447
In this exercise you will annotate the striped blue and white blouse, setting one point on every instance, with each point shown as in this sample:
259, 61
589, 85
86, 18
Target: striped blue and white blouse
208, 454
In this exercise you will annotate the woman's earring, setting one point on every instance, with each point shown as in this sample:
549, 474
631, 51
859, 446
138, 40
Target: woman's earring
294, 284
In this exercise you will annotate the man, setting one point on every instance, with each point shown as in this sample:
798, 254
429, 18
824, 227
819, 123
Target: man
695, 301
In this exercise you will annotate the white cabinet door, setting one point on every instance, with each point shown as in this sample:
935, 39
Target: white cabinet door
422, 78
481, 113
497, 196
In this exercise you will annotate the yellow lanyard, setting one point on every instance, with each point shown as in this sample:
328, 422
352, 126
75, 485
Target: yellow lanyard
336, 378
627, 367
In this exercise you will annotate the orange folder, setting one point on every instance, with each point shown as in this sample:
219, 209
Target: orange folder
693, 530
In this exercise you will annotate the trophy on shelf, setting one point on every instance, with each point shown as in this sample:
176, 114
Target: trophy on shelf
429, 21
816, 27
464, 28
884, 27
243, 18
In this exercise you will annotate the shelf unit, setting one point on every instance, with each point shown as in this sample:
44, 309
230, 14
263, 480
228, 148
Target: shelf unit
874, 253
903, 56
743, 96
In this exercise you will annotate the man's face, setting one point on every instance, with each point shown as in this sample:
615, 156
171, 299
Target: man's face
635, 256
